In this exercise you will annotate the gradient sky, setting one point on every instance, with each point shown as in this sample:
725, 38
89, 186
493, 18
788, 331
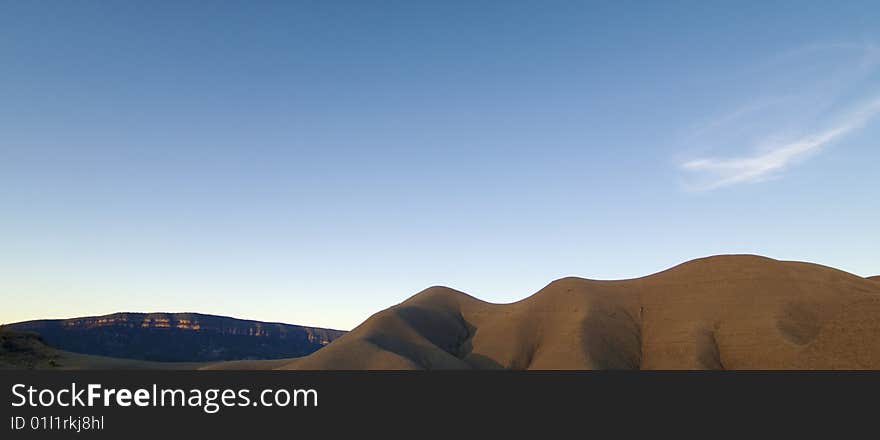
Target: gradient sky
315, 162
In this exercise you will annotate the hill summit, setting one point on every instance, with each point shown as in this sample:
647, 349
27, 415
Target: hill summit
721, 312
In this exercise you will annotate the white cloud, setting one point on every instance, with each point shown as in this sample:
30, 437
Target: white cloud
772, 120
760, 166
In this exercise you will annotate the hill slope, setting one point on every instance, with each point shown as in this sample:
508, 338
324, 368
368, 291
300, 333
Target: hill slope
26, 350
178, 337
723, 312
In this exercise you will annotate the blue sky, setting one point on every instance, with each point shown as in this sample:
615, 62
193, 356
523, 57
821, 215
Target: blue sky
315, 162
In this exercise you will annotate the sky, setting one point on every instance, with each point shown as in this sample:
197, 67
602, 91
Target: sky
314, 162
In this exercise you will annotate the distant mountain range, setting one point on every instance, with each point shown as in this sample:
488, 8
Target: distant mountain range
178, 337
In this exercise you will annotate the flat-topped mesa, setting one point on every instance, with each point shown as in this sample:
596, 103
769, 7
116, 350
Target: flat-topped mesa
186, 337
185, 321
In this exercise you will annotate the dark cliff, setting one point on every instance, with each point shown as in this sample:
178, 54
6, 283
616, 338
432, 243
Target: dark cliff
179, 337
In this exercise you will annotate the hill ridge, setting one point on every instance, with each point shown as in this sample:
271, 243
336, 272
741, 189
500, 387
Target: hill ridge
737, 311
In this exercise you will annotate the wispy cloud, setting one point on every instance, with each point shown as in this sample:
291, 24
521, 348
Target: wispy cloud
771, 120
760, 166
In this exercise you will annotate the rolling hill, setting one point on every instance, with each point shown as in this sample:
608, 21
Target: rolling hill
721, 312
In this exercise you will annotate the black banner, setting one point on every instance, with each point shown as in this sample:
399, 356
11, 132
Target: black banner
224, 404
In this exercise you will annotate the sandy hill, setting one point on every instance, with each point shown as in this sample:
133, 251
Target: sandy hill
723, 312
875, 278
